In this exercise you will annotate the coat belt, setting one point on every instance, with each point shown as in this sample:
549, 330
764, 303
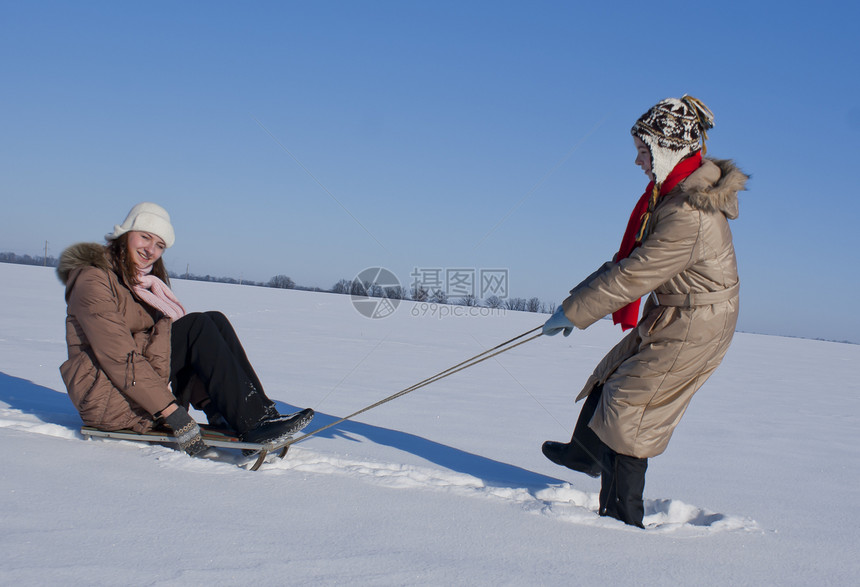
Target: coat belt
698, 299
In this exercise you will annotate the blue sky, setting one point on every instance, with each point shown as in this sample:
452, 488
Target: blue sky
316, 139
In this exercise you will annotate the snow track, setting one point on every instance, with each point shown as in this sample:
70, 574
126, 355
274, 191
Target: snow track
562, 502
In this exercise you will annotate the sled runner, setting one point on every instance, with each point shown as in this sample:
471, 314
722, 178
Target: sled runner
211, 437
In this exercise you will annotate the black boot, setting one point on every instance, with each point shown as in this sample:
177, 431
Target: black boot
622, 487
568, 456
277, 429
584, 452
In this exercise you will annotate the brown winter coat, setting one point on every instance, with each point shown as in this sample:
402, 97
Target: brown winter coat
688, 261
119, 348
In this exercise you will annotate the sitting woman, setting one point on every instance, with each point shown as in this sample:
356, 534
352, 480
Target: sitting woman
137, 360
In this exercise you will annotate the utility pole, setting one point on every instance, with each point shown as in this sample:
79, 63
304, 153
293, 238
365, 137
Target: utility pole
45, 261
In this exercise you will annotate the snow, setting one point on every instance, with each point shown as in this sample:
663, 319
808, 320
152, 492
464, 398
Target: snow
445, 485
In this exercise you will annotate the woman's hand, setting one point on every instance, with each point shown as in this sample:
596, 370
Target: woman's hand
558, 322
185, 429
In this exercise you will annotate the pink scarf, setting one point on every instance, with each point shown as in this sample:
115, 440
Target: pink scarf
155, 292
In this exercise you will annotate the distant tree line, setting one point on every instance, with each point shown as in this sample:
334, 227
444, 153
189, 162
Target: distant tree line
344, 286
420, 294
278, 281
28, 260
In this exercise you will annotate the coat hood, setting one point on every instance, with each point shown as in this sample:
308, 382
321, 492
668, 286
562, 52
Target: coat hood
79, 256
714, 187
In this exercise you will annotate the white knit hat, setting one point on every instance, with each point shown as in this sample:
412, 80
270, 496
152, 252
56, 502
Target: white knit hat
146, 217
673, 129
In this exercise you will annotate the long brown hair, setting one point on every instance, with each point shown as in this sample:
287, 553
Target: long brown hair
123, 265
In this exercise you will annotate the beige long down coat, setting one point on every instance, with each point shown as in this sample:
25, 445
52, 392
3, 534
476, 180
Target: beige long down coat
119, 348
688, 261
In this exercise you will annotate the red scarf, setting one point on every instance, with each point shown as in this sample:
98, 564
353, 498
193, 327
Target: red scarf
629, 314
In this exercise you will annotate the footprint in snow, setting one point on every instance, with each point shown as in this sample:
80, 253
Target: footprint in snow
562, 501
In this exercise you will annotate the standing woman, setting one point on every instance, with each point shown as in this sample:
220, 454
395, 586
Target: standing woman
137, 360
678, 246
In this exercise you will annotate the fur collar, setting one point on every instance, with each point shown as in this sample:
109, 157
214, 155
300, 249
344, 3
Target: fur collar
79, 256
714, 187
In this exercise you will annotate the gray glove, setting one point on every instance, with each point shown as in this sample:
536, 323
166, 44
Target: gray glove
186, 431
558, 322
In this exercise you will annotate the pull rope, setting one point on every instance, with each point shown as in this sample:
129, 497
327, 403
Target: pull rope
471, 362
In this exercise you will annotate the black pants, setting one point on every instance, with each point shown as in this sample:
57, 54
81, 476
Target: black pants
622, 477
205, 346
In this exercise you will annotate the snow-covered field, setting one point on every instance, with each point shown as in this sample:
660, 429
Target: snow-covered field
446, 485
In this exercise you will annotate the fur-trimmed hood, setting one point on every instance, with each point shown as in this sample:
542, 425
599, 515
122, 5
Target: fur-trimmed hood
79, 256
714, 187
